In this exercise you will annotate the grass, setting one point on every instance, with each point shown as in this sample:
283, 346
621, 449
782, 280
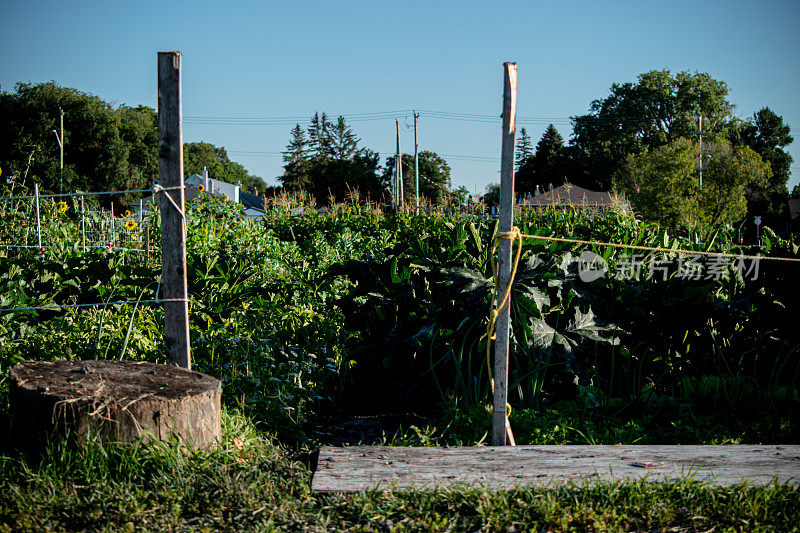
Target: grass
251, 483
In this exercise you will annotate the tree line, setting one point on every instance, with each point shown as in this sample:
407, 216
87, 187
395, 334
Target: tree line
325, 159
644, 140
107, 148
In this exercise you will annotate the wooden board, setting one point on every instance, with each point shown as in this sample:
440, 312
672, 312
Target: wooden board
357, 468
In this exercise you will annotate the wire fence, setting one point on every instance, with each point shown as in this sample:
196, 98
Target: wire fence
68, 222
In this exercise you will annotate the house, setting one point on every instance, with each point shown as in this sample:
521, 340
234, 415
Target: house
569, 195
202, 183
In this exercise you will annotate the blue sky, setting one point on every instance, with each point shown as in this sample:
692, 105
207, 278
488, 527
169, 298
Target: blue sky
290, 59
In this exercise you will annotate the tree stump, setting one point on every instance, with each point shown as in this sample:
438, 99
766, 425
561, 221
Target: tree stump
119, 400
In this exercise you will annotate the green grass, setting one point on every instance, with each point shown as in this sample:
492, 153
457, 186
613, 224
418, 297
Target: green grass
251, 483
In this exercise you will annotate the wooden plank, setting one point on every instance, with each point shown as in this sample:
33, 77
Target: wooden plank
358, 468
506, 222
173, 225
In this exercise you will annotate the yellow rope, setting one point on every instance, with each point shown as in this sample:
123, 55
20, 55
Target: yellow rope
658, 249
495, 311
516, 234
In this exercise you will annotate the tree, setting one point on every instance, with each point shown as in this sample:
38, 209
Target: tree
105, 148
796, 191
459, 195
328, 163
547, 164
767, 134
344, 143
662, 184
296, 168
215, 160
434, 175
492, 195
320, 142
139, 131
524, 150
656, 110
336, 178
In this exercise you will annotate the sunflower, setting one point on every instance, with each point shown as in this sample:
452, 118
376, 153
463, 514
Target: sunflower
61, 206
127, 213
201, 188
130, 225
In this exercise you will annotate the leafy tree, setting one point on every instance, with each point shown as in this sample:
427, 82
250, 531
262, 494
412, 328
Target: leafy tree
663, 187
139, 130
524, 149
767, 134
547, 164
215, 159
656, 110
105, 148
434, 175
336, 178
460, 195
492, 195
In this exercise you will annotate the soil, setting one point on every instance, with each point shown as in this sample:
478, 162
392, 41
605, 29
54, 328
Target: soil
373, 411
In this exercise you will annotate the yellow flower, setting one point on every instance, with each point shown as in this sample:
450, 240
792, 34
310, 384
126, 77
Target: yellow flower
201, 188
130, 225
127, 213
61, 206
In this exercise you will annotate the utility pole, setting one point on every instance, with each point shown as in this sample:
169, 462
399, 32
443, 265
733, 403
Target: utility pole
394, 184
416, 161
399, 167
700, 144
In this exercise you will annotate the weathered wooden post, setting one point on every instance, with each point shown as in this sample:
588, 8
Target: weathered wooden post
499, 415
173, 223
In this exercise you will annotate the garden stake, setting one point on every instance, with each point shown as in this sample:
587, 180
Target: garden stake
500, 424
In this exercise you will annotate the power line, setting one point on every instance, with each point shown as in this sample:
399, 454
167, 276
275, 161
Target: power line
290, 120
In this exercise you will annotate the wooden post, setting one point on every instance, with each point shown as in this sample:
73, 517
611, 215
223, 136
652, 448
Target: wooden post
504, 255
173, 224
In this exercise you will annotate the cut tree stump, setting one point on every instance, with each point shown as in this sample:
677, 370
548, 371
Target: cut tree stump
119, 400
